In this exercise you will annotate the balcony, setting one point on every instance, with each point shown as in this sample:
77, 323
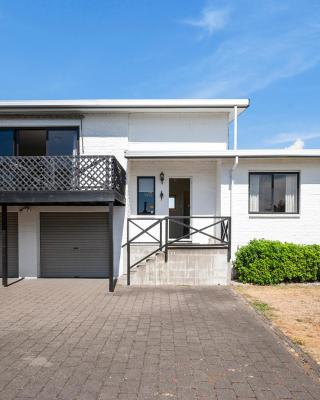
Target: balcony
95, 180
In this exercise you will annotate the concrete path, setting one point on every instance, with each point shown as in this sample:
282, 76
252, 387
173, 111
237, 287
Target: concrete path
71, 339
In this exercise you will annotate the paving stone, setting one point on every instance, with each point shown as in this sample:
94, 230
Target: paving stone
71, 339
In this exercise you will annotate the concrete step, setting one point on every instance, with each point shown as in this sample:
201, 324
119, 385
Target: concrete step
184, 267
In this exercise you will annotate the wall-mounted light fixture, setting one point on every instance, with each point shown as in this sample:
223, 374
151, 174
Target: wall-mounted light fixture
161, 195
161, 177
25, 209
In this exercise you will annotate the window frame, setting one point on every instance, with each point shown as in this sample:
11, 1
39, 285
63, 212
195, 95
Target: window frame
154, 193
44, 128
272, 173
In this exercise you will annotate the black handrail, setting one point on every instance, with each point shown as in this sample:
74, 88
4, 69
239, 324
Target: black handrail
224, 241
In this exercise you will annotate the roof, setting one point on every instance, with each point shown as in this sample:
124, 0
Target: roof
128, 105
267, 153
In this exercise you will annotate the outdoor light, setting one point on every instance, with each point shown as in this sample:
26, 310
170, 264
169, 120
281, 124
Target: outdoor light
25, 209
161, 195
161, 177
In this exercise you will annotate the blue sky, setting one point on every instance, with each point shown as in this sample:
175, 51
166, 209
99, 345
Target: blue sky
267, 50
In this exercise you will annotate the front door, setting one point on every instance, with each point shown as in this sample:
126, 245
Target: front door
179, 206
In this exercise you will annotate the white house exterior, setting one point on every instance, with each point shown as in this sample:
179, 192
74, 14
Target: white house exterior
66, 206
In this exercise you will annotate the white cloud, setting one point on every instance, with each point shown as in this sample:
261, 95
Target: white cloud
283, 138
249, 63
296, 145
256, 51
210, 20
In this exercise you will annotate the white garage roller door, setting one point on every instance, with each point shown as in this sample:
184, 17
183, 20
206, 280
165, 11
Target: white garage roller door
74, 245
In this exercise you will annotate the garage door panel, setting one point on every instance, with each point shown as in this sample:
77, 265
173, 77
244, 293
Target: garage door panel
74, 245
13, 264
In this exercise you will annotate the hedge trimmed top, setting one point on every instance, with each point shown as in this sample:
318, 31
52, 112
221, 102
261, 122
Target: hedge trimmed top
265, 262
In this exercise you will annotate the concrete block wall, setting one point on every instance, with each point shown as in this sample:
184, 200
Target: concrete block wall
185, 267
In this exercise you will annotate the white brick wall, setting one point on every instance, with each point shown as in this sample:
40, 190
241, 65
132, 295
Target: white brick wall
302, 228
179, 128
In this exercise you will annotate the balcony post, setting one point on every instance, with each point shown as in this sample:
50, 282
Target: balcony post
4, 245
229, 239
128, 253
166, 238
110, 225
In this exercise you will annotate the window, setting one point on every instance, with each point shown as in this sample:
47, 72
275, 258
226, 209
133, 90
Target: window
146, 195
39, 142
274, 192
6, 142
62, 142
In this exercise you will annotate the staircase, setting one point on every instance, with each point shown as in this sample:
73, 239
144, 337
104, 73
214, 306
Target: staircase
164, 261
185, 266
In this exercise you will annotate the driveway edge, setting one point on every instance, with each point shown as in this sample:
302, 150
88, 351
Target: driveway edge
311, 367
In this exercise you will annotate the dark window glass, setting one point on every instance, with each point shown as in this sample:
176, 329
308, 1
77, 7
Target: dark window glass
146, 195
32, 142
6, 142
273, 192
265, 193
62, 142
279, 193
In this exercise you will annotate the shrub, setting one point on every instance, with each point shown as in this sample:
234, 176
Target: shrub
265, 262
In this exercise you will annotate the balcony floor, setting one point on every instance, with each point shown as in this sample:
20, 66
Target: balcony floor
99, 197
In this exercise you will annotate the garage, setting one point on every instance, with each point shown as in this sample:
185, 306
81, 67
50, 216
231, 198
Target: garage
13, 264
74, 244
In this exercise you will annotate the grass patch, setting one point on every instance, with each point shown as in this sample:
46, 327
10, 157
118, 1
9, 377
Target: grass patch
262, 307
298, 341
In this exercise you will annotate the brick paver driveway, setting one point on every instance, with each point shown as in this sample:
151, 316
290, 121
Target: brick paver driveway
70, 339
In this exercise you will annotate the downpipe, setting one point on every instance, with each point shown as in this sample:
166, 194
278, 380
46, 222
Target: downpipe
234, 166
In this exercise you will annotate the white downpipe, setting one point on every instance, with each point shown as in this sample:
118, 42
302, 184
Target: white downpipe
235, 164
81, 138
235, 128
236, 161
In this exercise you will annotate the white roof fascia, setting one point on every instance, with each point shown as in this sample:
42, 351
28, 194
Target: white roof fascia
147, 105
277, 153
123, 103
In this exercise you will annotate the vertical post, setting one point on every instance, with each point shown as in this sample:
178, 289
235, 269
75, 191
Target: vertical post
4, 229
166, 243
160, 234
128, 252
229, 239
235, 128
110, 220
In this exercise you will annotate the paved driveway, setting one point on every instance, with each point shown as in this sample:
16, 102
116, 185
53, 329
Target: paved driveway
71, 339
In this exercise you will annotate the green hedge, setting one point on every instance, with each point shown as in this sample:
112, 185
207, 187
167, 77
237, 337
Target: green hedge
265, 262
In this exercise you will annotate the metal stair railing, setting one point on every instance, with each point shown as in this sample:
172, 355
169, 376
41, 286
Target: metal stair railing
221, 241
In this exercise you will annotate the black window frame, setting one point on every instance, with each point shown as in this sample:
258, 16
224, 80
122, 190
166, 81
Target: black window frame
272, 194
154, 193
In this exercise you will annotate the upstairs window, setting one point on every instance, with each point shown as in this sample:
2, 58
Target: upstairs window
62, 142
6, 142
274, 192
146, 195
38, 142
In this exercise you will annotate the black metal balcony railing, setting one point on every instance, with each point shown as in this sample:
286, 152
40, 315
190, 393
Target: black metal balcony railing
61, 173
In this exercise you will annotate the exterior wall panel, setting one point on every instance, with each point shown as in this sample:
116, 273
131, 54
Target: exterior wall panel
301, 228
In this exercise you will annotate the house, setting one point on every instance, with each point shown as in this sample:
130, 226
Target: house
148, 189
